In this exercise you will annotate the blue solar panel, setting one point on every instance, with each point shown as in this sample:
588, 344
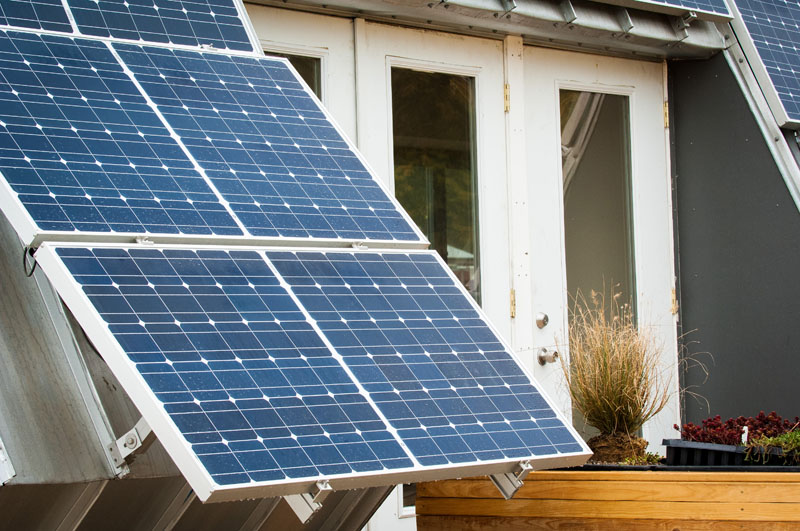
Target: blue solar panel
774, 27
710, 6
384, 365
267, 146
187, 22
84, 152
416, 342
36, 14
235, 363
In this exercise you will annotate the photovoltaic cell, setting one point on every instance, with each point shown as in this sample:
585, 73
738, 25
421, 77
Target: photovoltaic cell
774, 27
83, 151
416, 342
187, 22
267, 146
235, 364
35, 14
710, 6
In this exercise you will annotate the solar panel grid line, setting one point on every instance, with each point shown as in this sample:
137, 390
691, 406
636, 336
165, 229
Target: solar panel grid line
46, 15
338, 357
218, 24
199, 169
773, 59
298, 188
148, 276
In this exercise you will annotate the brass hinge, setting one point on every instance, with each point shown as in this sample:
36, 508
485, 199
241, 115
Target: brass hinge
666, 115
674, 308
507, 97
513, 297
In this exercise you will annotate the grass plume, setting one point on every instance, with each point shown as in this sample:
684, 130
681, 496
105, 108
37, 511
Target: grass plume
613, 373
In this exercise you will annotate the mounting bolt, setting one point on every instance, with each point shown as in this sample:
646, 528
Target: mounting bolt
130, 442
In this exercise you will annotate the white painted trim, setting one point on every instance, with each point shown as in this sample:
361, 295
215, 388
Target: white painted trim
188, 463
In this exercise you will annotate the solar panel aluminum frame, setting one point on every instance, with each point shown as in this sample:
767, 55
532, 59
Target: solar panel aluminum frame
30, 234
658, 7
765, 85
188, 463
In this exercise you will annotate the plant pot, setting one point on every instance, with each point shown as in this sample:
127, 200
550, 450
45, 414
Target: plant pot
692, 453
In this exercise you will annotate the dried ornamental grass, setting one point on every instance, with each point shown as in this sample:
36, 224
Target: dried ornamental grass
613, 373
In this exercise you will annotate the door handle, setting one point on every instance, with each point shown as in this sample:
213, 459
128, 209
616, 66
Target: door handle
542, 319
546, 356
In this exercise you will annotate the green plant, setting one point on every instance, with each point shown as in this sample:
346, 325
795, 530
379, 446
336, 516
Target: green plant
759, 449
613, 373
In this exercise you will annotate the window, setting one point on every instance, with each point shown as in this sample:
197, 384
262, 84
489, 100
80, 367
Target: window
433, 118
309, 68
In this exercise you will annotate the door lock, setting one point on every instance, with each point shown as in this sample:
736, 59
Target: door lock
546, 356
542, 319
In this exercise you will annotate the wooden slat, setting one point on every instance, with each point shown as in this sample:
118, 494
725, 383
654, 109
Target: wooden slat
470, 523
620, 490
716, 510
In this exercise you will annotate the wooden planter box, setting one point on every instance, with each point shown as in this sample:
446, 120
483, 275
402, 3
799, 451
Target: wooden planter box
616, 500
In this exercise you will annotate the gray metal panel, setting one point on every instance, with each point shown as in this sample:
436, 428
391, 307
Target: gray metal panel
44, 421
739, 249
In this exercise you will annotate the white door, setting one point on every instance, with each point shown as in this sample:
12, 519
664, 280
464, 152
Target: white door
570, 101
408, 60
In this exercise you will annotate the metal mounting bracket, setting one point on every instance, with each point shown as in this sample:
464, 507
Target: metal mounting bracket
137, 440
306, 504
508, 5
567, 11
509, 483
360, 246
144, 240
681, 24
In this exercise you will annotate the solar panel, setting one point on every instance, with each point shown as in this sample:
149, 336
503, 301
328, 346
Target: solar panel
215, 23
769, 32
36, 14
261, 371
419, 345
705, 9
83, 152
268, 146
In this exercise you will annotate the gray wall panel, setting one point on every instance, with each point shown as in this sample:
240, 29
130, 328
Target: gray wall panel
739, 250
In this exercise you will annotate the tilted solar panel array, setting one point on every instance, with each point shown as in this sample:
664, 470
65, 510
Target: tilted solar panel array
192, 203
716, 10
769, 33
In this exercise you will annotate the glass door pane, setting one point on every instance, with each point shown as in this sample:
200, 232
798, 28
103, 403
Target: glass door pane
433, 117
595, 158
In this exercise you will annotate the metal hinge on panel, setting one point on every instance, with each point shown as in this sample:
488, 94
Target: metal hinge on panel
306, 504
513, 301
666, 115
509, 483
137, 440
674, 308
507, 97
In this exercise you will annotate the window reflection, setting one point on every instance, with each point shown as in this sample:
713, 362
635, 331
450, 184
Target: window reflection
434, 164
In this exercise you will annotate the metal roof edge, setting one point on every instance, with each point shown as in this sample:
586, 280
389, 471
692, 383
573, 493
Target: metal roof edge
589, 26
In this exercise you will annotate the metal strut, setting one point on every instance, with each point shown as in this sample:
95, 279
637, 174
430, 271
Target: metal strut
509, 483
306, 504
